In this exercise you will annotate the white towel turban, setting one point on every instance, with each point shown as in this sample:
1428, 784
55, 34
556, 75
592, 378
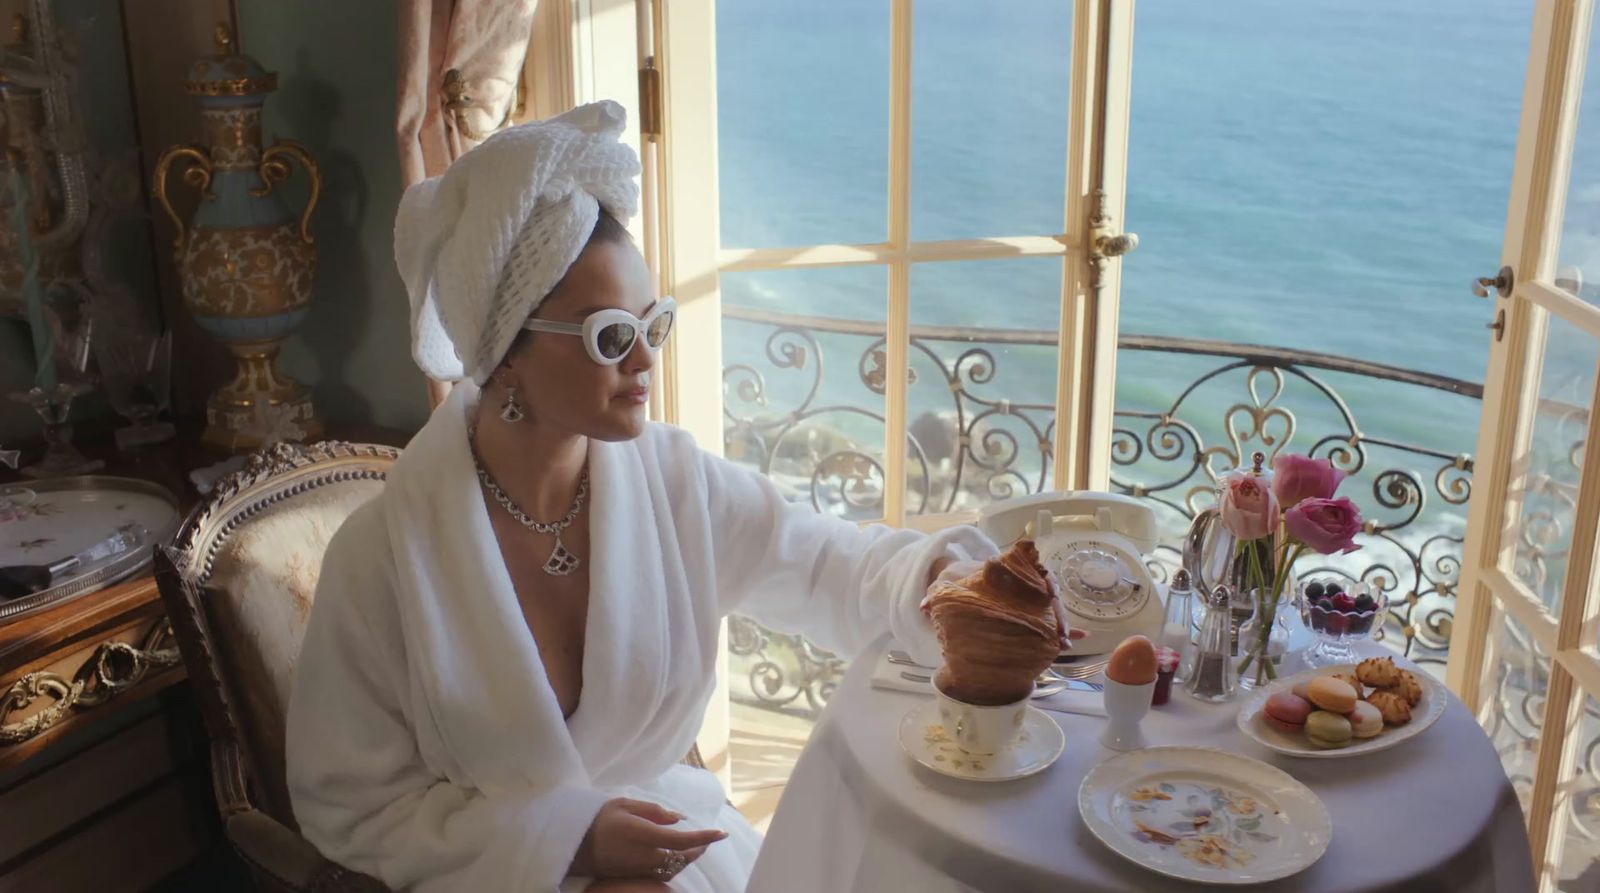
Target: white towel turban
481, 245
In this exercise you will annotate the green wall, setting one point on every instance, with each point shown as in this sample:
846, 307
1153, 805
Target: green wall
336, 94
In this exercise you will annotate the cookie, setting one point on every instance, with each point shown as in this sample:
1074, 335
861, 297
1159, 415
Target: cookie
1396, 709
1378, 672
1409, 687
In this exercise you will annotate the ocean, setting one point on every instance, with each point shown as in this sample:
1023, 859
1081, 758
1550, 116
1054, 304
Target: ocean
1317, 175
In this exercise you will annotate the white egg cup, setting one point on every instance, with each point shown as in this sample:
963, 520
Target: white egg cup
1126, 705
979, 729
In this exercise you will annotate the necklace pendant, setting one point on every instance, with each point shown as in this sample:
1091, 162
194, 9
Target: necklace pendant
562, 562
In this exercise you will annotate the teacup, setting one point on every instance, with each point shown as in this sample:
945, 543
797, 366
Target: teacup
979, 729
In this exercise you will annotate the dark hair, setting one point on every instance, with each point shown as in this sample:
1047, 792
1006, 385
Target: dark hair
608, 230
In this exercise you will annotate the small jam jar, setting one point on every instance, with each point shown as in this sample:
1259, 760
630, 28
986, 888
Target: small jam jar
1166, 668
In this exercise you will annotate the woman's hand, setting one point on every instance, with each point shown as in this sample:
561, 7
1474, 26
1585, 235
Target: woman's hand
630, 839
1060, 607
948, 570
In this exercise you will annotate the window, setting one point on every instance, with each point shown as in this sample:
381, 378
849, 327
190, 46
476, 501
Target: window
879, 208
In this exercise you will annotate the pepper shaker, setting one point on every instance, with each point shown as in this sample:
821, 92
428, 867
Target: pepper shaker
1215, 675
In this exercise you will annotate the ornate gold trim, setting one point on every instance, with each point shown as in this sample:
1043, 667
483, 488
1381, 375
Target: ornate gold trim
195, 547
197, 174
233, 86
275, 169
113, 668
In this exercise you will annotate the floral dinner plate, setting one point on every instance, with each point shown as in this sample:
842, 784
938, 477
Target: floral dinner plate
1205, 815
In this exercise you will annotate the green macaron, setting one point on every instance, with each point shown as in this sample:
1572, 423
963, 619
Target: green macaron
1328, 731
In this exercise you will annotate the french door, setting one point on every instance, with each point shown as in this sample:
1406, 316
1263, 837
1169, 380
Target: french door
1528, 581
894, 318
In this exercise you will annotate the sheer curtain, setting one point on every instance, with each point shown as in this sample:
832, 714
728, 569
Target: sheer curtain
460, 62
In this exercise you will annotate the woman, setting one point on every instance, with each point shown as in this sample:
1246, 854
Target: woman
513, 646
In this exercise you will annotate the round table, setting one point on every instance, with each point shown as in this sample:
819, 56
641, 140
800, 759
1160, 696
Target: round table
1436, 813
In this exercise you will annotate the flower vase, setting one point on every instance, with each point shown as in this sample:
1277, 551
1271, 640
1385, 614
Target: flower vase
1261, 656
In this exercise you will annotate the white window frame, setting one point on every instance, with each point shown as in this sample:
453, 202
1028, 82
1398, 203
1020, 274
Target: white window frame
1556, 63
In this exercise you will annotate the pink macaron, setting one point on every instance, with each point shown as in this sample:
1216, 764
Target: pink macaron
1286, 711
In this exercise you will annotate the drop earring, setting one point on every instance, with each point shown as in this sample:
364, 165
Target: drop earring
511, 412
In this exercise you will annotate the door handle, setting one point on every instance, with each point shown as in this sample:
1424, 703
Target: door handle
1117, 245
1502, 284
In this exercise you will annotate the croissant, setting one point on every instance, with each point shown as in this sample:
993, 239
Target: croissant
998, 629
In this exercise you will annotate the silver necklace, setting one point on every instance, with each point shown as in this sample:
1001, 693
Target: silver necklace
562, 562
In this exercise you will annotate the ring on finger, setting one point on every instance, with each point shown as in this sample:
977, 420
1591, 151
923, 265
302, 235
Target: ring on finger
671, 864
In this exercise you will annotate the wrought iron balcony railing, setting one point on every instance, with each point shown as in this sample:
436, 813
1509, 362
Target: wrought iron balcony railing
1192, 409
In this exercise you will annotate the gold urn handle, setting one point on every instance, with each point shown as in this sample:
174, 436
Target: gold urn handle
275, 169
196, 174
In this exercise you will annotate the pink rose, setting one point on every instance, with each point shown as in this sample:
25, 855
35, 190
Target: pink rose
1301, 477
1326, 525
1248, 508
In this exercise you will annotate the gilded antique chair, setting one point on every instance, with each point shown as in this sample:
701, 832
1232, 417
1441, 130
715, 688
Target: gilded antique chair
238, 584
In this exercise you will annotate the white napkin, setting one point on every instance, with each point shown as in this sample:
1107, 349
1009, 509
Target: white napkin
887, 676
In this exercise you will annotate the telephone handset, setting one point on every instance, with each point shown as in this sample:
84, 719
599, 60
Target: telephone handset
1095, 544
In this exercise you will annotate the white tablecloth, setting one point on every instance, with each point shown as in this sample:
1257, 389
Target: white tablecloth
1436, 813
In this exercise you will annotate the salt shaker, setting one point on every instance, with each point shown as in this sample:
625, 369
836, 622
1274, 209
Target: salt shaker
1177, 633
1215, 675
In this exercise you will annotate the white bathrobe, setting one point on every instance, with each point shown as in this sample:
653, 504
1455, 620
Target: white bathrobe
425, 745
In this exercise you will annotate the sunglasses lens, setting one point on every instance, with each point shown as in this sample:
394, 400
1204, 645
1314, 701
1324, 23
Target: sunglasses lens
660, 327
615, 340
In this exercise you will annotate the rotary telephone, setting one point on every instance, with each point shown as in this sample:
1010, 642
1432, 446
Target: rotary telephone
1095, 545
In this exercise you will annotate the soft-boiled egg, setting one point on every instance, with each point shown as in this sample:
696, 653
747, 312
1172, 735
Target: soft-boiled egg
1133, 662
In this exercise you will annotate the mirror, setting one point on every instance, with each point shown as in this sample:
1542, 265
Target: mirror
74, 222
69, 140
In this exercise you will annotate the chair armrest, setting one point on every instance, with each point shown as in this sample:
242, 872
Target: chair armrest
284, 861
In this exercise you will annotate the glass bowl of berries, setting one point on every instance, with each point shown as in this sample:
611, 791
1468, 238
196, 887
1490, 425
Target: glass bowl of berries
1340, 614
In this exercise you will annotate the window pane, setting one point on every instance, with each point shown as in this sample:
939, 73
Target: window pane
1289, 197
1284, 195
802, 121
1545, 478
1513, 711
981, 403
1578, 261
798, 388
1578, 863
989, 95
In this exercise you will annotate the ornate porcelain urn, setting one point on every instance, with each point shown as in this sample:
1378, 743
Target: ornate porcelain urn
246, 260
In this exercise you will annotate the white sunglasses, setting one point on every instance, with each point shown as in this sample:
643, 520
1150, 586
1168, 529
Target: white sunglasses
610, 334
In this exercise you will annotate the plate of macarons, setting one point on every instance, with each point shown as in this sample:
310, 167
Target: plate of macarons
1343, 710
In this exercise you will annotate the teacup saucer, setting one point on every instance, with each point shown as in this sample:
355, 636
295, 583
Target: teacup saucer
1038, 745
